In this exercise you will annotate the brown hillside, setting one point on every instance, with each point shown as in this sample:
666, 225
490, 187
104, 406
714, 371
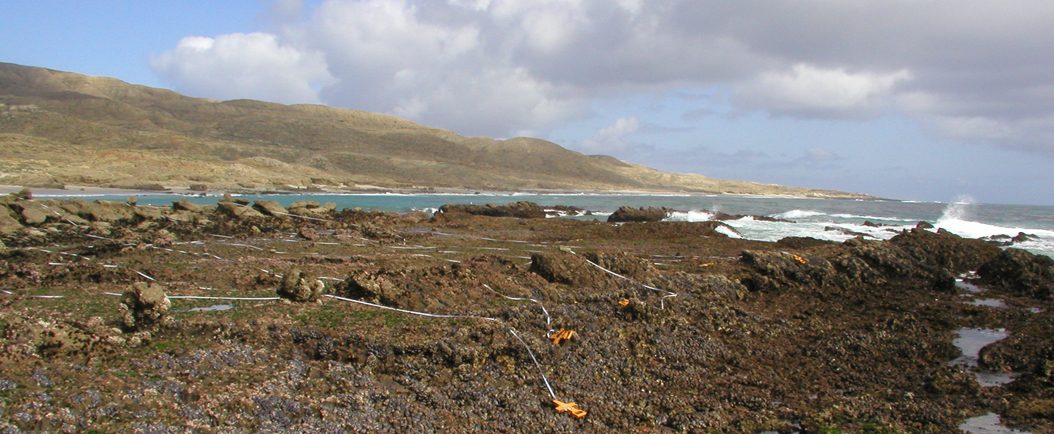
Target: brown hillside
66, 128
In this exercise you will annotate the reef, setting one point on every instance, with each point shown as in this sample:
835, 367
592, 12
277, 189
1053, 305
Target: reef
253, 317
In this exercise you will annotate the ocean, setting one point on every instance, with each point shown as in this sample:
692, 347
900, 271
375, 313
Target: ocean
827, 219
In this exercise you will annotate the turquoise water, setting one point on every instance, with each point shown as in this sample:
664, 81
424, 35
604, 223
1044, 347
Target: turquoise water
830, 219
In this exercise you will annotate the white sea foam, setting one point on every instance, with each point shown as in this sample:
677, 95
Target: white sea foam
729, 232
797, 214
691, 216
955, 219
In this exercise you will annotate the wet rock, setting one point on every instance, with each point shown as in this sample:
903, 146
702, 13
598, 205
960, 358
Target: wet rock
270, 207
642, 214
512, 209
783, 269
146, 306
943, 249
1020, 272
1022, 237
799, 243
300, 287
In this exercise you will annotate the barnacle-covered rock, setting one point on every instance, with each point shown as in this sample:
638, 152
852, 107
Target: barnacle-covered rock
146, 306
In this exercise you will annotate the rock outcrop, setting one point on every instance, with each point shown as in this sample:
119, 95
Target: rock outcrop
642, 214
145, 305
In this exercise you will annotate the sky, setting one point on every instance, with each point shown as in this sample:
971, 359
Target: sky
929, 100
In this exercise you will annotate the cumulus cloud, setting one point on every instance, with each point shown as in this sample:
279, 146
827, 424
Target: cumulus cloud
808, 91
612, 137
973, 70
239, 65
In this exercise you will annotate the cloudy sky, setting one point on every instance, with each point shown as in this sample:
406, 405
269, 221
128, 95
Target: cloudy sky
909, 99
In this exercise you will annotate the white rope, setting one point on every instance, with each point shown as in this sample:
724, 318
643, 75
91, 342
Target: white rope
201, 297
432, 315
33, 296
304, 217
662, 300
548, 320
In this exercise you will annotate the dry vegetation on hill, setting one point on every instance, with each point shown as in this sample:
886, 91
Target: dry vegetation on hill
65, 128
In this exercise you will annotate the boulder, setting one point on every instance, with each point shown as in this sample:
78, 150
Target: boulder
184, 205
374, 287
146, 306
642, 214
34, 213
271, 208
9, 225
299, 287
237, 211
304, 204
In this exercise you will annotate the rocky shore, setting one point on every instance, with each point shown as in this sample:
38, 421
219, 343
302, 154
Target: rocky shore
246, 317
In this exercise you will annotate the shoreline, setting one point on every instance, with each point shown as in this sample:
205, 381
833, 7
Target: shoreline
90, 190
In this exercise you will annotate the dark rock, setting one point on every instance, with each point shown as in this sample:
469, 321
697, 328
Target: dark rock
566, 268
923, 225
642, 214
779, 270
799, 243
942, 249
1021, 272
1022, 237
512, 209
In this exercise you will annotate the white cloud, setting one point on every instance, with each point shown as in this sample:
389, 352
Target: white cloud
612, 137
239, 65
809, 91
975, 69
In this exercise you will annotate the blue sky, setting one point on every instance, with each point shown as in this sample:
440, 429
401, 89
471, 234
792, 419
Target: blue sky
939, 100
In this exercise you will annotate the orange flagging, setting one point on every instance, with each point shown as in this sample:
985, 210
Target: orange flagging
561, 335
569, 407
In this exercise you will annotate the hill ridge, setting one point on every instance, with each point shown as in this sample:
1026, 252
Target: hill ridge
60, 127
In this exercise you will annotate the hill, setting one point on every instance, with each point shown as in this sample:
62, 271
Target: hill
60, 128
